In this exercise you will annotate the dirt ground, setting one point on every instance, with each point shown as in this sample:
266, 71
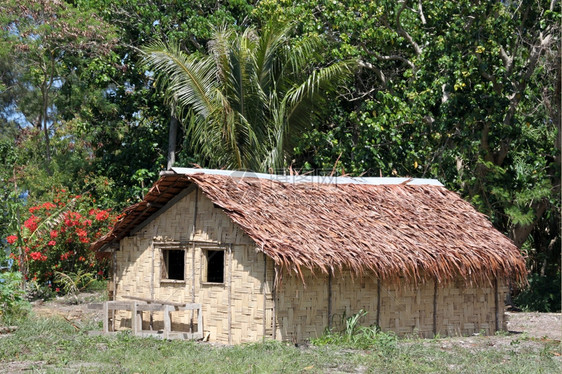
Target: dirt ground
73, 309
536, 325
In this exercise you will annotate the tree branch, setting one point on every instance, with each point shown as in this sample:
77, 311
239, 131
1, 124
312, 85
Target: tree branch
422, 17
388, 58
378, 72
400, 30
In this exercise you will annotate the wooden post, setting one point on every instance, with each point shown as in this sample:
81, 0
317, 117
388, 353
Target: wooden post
435, 308
192, 284
496, 304
230, 294
114, 296
378, 303
199, 321
105, 317
151, 318
274, 297
134, 318
193, 226
329, 299
167, 321
264, 294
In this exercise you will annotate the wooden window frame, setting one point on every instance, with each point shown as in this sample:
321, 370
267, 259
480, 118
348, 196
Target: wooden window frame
165, 265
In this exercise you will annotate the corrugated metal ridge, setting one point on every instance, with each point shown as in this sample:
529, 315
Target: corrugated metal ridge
320, 179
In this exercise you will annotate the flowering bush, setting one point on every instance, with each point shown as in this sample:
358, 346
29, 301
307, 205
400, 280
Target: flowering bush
56, 238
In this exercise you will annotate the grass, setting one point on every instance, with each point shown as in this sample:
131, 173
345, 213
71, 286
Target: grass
54, 345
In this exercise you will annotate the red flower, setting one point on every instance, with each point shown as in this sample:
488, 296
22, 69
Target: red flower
11, 239
48, 205
54, 234
81, 232
57, 289
81, 258
31, 223
35, 255
83, 239
52, 243
33, 209
102, 215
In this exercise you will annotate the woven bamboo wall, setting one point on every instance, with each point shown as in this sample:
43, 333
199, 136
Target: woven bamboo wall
406, 310
238, 302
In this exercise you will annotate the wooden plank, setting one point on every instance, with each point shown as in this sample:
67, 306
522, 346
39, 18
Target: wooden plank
118, 305
189, 306
153, 301
150, 307
95, 306
105, 318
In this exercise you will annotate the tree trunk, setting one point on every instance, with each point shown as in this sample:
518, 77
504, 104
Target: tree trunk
45, 125
172, 136
520, 233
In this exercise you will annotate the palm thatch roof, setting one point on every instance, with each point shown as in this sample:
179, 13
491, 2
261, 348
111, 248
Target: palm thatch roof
412, 230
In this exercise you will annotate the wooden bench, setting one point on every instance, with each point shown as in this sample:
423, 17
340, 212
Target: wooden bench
138, 305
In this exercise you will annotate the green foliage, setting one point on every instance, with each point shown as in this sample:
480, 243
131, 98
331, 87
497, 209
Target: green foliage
460, 91
542, 294
13, 305
48, 43
359, 337
246, 99
74, 282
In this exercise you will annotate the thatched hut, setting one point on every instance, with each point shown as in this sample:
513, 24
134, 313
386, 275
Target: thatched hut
285, 257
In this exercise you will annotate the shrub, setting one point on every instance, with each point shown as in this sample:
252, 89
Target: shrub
542, 294
56, 237
12, 297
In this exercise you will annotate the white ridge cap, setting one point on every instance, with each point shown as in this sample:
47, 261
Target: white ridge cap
309, 178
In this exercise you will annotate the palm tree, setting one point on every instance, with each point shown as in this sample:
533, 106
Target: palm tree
245, 100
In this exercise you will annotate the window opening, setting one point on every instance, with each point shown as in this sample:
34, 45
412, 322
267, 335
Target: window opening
215, 266
173, 264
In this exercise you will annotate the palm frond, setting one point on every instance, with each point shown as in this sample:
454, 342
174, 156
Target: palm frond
240, 103
319, 79
186, 79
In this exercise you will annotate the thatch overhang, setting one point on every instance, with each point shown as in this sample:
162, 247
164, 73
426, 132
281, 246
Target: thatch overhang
409, 230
